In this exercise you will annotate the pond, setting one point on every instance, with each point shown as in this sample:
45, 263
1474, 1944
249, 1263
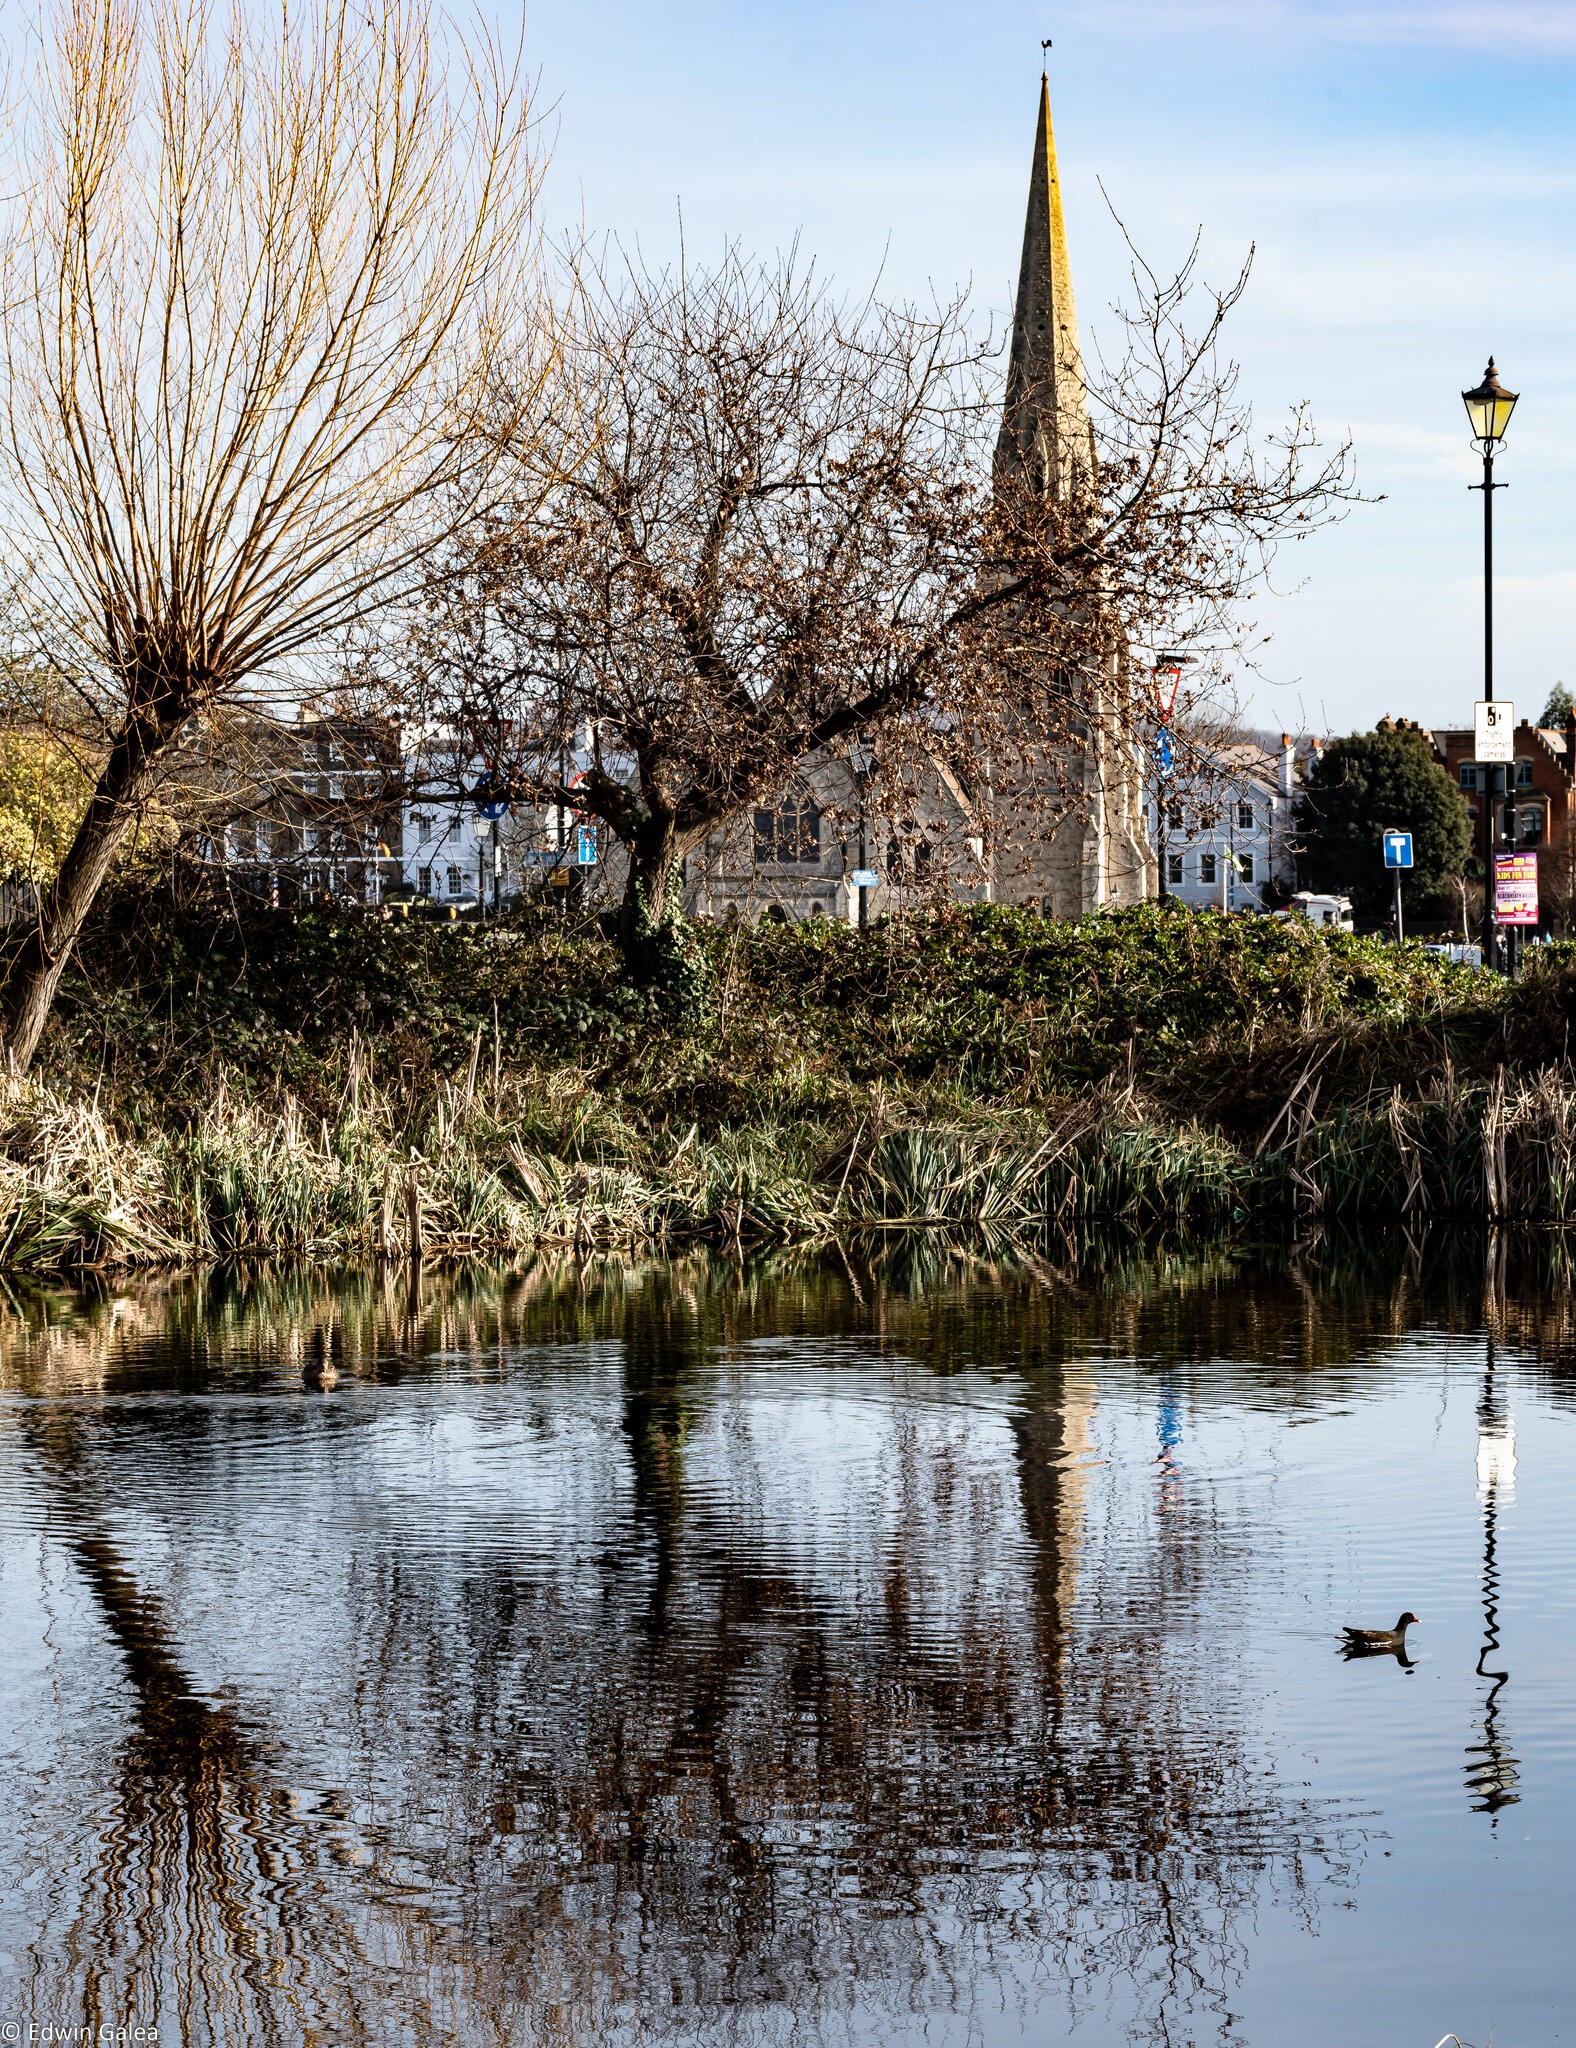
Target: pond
890, 1650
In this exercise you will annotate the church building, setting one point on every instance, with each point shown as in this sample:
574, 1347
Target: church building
1065, 828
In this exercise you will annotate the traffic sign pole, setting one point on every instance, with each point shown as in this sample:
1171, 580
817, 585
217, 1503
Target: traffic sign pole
1397, 850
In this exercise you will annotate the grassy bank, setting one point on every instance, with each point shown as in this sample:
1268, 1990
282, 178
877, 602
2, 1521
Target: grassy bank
342, 1087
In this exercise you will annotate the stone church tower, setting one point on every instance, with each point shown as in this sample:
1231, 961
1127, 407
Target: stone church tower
1097, 850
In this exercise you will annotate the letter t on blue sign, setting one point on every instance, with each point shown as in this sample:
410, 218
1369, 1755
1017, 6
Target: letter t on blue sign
1398, 849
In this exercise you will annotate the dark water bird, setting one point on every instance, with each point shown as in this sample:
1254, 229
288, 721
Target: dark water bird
1379, 1642
320, 1372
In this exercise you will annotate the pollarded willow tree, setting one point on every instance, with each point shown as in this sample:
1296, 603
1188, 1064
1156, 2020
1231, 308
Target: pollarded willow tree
782, 523
260, 272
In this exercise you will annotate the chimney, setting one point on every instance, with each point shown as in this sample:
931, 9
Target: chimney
1288, 763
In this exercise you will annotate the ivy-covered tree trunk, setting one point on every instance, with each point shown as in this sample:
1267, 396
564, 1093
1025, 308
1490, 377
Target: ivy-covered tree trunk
660, 948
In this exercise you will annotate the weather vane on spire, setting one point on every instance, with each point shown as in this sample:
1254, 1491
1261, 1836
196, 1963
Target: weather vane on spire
1045, 44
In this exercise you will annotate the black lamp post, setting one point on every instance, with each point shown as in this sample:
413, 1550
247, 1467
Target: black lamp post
1489, 408
861, 759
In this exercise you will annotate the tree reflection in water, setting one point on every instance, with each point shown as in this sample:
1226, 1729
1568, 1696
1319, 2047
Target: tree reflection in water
781, 1710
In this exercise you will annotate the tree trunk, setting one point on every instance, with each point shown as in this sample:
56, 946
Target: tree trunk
659, 948
126, 781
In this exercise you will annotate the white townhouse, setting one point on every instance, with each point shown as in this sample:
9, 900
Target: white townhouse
1224, 833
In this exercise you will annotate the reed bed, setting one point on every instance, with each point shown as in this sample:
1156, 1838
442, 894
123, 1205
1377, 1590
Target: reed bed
462, 1173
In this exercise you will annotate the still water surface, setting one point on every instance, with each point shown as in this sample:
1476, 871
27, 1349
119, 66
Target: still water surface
685, 1653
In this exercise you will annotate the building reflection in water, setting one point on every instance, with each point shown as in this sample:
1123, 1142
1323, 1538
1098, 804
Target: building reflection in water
735, 1651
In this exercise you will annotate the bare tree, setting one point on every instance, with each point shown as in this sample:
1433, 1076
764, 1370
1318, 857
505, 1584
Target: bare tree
256, 282
788, 525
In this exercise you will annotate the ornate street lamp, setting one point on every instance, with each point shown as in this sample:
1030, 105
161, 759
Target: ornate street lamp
1489, 408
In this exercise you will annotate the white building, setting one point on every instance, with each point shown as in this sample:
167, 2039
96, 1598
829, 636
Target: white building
1224, 832
445, 858
456, 856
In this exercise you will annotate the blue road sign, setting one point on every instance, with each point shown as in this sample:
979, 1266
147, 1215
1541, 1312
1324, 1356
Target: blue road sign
1165, 752
585, 851
487, 800
1398, 849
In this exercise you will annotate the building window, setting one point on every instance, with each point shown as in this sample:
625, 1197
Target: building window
1245, 815
1524, 775
1245, 866
909, 858
1532, 825
1173, 867
456, 882
424, 881
1206, 867
421, 824
1469, 775
1174, 817
789, 835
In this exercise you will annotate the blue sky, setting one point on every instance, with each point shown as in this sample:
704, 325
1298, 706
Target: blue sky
1407, 172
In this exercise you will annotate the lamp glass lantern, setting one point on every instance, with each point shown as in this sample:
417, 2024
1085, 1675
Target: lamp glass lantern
1489, 408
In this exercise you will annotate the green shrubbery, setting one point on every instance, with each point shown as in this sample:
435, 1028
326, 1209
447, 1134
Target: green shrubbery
982, 991
988, 997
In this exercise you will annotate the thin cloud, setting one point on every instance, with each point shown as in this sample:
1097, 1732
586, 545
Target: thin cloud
1529, 28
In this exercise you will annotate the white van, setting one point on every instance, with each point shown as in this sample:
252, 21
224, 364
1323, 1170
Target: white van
1334, 911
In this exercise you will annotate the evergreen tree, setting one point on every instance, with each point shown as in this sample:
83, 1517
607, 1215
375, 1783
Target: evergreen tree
1375, 782
1558, 709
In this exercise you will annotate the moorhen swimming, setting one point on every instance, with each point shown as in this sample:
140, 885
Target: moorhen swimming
1379, 1638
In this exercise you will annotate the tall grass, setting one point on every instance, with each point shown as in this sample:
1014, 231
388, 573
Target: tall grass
533, 1166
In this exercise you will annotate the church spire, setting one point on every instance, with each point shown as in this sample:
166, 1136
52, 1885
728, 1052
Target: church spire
1045, 430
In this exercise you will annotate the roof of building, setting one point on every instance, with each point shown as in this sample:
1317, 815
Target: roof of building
1551, 735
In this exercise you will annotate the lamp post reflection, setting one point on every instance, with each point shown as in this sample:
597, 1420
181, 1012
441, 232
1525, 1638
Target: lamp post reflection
1492, 1773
